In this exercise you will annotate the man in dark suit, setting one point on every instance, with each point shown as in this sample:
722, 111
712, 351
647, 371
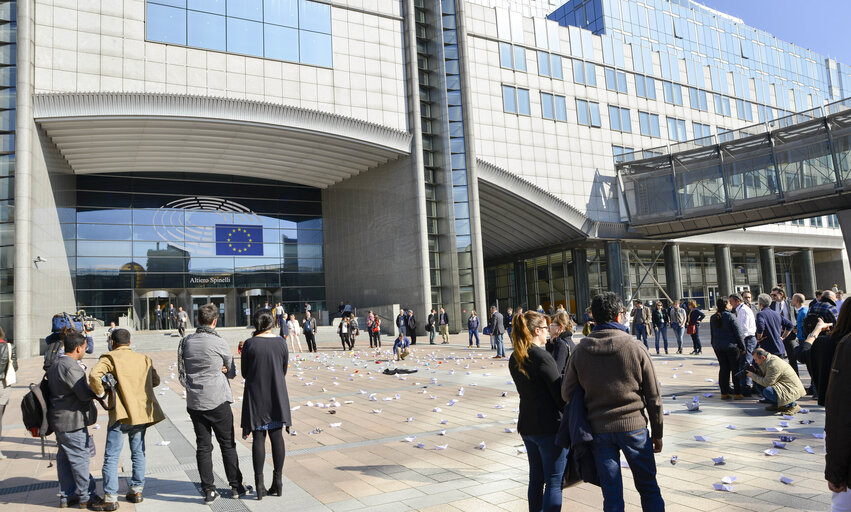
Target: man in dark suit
497, 327
172, 317
783, 306
411, 326
158, 318
769, 327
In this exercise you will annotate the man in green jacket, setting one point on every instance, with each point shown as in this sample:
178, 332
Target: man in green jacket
779, 384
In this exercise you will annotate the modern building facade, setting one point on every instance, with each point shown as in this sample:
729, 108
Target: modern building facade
417, 152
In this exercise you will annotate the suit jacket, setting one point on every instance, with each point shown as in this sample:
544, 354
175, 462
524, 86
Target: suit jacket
789, 313
497, 325
411, 322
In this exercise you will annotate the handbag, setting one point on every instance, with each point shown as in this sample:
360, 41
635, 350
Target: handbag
691, 329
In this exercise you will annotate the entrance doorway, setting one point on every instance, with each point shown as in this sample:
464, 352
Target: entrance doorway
218, 300
251, 300
150, 302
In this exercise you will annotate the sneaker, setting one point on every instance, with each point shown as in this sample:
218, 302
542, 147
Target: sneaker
102, 505
134, 497
236, 492
95, 503
790, 409
726, 397
211, 496
772, 408
738, 397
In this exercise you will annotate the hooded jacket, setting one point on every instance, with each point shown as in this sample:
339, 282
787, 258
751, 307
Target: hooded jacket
619, 381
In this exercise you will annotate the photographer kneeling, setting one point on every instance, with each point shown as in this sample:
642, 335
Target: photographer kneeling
133, 409
778, 383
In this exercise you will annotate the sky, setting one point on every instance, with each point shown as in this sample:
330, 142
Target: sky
820, 25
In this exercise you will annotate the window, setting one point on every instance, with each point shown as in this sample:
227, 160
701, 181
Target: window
588, 113
619, 119
555, 67
623, 154
697, 98
648, 124
816, 222
724, 135
702, 132
645, 87
512, 57
584, 73
833, 221
673, 93
515, 101
676, 129
544, 64
799, 222
615, 80
722, 105
519, 58
553, 107
292, 30
743, 110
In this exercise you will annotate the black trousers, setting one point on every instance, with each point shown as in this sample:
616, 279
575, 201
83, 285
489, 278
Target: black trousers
344, 340
311, 341
413, 337
374, 339
220, 421
158, 323
728, 362
790, 343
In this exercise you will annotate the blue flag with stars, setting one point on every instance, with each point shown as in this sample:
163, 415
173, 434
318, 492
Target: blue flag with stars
239, 240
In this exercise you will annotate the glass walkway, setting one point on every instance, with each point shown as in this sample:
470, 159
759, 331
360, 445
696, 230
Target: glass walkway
791, 167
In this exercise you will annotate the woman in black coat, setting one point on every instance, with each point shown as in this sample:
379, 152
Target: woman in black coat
560, 343
266, 405
728, 343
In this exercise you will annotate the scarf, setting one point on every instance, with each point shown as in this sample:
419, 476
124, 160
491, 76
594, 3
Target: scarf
207, 329
611, 325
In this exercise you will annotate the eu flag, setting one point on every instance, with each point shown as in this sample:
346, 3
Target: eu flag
239, 240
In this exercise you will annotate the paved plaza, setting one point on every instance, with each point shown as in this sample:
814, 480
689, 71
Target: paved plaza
441, 439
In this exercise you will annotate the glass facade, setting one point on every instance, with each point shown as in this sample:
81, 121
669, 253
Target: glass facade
290, 30
8, 49
133, 235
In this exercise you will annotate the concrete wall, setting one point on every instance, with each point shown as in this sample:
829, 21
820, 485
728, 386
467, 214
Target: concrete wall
831, 269
372, 244
99, 46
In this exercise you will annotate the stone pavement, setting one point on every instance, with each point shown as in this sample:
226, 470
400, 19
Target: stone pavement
364, 457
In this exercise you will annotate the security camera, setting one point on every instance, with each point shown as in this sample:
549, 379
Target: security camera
39, 259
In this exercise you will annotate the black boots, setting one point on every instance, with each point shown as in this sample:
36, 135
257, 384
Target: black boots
259, 488
277, 485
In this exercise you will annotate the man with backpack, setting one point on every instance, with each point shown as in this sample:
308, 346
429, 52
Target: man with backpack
71, 411
134, 408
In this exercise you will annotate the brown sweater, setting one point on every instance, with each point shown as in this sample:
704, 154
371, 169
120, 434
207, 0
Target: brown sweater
619, 382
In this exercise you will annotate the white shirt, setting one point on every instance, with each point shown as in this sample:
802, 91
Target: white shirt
744, 315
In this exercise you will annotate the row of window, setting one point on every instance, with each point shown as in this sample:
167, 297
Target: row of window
817, 222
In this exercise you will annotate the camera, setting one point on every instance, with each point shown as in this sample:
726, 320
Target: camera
109, 382
749, 368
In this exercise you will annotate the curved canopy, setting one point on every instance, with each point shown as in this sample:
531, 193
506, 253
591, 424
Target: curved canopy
106, 132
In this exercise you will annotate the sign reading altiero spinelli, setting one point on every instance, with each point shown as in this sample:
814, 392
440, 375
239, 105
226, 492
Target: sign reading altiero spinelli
219, 281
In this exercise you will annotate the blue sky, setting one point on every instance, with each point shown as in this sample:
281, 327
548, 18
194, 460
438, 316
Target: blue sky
820, 25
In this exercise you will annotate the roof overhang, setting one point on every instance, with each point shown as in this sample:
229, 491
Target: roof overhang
128, 132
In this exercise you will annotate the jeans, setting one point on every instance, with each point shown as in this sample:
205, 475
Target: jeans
678, 333
744, 360
72, 464
695, 339
663, 331
728, 362
500, 347
641, 333
112, 452
431, 335
220, 421
771, 395
402, 330
638, 451
546, 469
474, 332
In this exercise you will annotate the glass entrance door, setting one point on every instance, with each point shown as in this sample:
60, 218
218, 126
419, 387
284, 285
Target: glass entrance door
200, 300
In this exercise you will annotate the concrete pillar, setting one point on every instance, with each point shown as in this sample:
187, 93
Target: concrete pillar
807, 268
767, 269
673, 272
845, 224
580, 283
614, 268
724, 270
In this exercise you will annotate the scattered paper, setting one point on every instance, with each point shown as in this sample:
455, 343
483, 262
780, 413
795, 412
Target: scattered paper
723, 487
773, 429
785, 479
510, 430
819, 435
441, 446
420, 445
731, 427
436, 409
666, 412
807, 422
444, 422
809, 450
481, 446
442, 433
770, 452
376, 411
702, 439
521, 450
804, 411
784, 424
335, 425
787, 439
674, 460
409, 439
409, 419
480, 415
728, 479
779, 444
297, 407
164, 443
719, 461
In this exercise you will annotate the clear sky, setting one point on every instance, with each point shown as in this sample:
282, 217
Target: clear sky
820, 25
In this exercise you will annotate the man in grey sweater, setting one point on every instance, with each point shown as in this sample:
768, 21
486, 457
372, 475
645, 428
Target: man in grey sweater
205, 364
621, 393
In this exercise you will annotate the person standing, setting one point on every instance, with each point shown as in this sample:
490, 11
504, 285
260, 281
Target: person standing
71, 411
770, 326
497, 327
509, 316
837, 427
473, 328
292, 332
747, 326
660, 321
171, 317
728, 343
560, 343
309, 324
373, 328
411, 326
783, 306
695, 316
431, 326
266, 408
354, 330
621, 395
678, 323
444, 325
748, 300
182, 320
205, 366
8, 377
640, 321
134, 409
538, 382
158, 318
280, 316
343, 332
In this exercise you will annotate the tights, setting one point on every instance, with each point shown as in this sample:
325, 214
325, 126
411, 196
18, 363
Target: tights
258, 450
2, 410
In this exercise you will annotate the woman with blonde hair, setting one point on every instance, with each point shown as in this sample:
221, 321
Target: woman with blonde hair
560, 343
695, 315
538, 383
293, 330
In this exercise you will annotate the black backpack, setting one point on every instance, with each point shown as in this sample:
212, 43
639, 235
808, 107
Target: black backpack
34, 409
